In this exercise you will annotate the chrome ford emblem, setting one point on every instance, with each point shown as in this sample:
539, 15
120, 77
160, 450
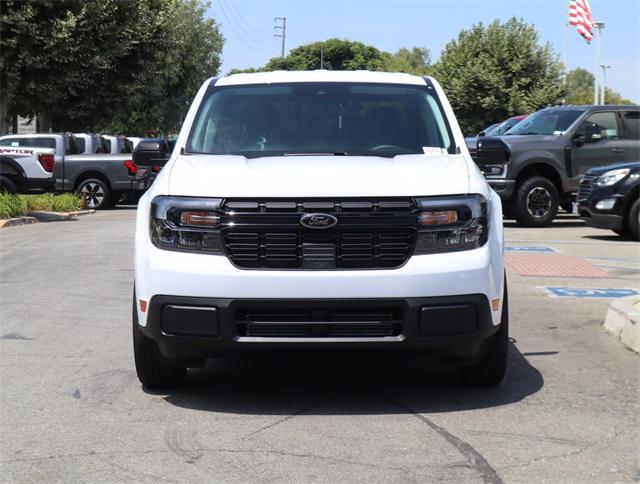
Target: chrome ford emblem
318, 220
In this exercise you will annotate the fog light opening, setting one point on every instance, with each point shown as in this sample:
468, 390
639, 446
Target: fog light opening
606, 204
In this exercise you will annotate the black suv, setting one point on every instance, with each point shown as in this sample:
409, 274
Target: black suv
552, 150
609, 198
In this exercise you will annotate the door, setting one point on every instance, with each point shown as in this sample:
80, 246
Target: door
597, 142
631, 121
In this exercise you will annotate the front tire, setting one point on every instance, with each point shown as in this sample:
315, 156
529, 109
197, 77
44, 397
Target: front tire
536, 202
152, 373
96, 192
632, 224
493, 366
7, 186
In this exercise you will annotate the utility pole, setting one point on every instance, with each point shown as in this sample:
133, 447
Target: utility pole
599, 26
282, 28
604, 83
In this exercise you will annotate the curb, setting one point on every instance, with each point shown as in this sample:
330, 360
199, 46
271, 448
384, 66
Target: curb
623, 321
57, 216
36, 217
12, 222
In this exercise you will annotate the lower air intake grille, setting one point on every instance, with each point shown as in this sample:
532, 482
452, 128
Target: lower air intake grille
318, 323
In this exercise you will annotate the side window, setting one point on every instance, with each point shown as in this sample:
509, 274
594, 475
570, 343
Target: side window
10, 142
632, 124
38, 142
600, 126
80, 145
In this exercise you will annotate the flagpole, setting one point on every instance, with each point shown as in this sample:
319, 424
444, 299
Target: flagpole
566, 52
599, 26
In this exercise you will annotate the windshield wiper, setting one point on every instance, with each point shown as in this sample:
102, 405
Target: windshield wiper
521, 134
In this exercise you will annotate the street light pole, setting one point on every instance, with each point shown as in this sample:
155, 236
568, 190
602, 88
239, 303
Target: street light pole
599, 26
604, 83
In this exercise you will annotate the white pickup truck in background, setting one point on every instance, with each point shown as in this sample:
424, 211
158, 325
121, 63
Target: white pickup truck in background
26, 169
102, 178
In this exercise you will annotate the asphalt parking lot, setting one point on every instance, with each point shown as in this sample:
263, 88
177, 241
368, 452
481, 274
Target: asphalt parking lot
72, 408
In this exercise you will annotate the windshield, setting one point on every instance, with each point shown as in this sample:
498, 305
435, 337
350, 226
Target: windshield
319, 118
547, 121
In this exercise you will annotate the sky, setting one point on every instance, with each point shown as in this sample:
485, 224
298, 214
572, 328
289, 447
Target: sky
247, 26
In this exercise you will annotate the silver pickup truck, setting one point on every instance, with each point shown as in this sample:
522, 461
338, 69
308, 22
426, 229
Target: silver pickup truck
101, 178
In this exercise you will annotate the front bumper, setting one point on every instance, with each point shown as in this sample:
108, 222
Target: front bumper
188, 330
504, 188
598, 220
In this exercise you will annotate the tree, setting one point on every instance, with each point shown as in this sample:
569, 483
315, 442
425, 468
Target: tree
341, 54
494, 72
413, 61
82, 65
579, 89
337, 54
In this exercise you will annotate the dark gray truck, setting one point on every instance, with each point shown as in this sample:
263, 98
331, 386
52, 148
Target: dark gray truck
552, 149
101, 178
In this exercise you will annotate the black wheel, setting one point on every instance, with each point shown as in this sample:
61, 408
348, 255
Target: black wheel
7, 185
633, 221
152, 373
493, 366
96, 192
536, 202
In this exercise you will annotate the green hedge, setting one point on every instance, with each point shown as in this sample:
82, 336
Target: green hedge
18, 205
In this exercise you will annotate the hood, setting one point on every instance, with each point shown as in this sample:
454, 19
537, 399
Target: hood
318, 176
633, 165
534, 139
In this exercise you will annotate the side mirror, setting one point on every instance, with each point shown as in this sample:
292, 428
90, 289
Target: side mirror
592, 134
481, 133
151, 152
492, 151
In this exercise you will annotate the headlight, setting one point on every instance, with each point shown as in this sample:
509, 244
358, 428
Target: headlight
611, 177
186, 224
451, 224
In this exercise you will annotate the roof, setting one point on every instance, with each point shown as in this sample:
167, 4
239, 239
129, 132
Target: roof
584, 107
320, 76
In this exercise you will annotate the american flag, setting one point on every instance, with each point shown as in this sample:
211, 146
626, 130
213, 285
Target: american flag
580, 16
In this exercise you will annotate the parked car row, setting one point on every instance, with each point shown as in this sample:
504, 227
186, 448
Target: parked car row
552, 150
100, 168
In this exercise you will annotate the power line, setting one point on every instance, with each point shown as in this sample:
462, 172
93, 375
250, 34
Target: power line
260, 31
235, 31
237, 22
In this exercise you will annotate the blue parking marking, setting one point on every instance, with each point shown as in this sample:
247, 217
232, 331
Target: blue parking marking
590, 292
531, 249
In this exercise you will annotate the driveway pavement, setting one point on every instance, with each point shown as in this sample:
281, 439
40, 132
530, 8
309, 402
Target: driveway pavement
71, 407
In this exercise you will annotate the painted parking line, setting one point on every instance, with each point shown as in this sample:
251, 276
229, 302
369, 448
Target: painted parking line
589, 292
531, 249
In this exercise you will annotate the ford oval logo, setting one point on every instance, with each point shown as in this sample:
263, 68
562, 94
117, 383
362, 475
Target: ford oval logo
318, 220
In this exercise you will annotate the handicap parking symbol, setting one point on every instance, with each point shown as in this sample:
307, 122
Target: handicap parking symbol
531, 249
590, 292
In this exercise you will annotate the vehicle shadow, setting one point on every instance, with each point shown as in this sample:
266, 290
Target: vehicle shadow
556, 224
343, 386
610, 238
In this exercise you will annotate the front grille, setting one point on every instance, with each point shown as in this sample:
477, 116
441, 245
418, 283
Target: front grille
319, 323
586, 186
369, 234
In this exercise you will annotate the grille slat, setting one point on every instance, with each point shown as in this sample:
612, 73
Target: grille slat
586, 186
271, 238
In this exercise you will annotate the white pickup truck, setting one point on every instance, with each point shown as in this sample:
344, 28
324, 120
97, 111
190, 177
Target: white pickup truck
102, 178
326, 210
26, 169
